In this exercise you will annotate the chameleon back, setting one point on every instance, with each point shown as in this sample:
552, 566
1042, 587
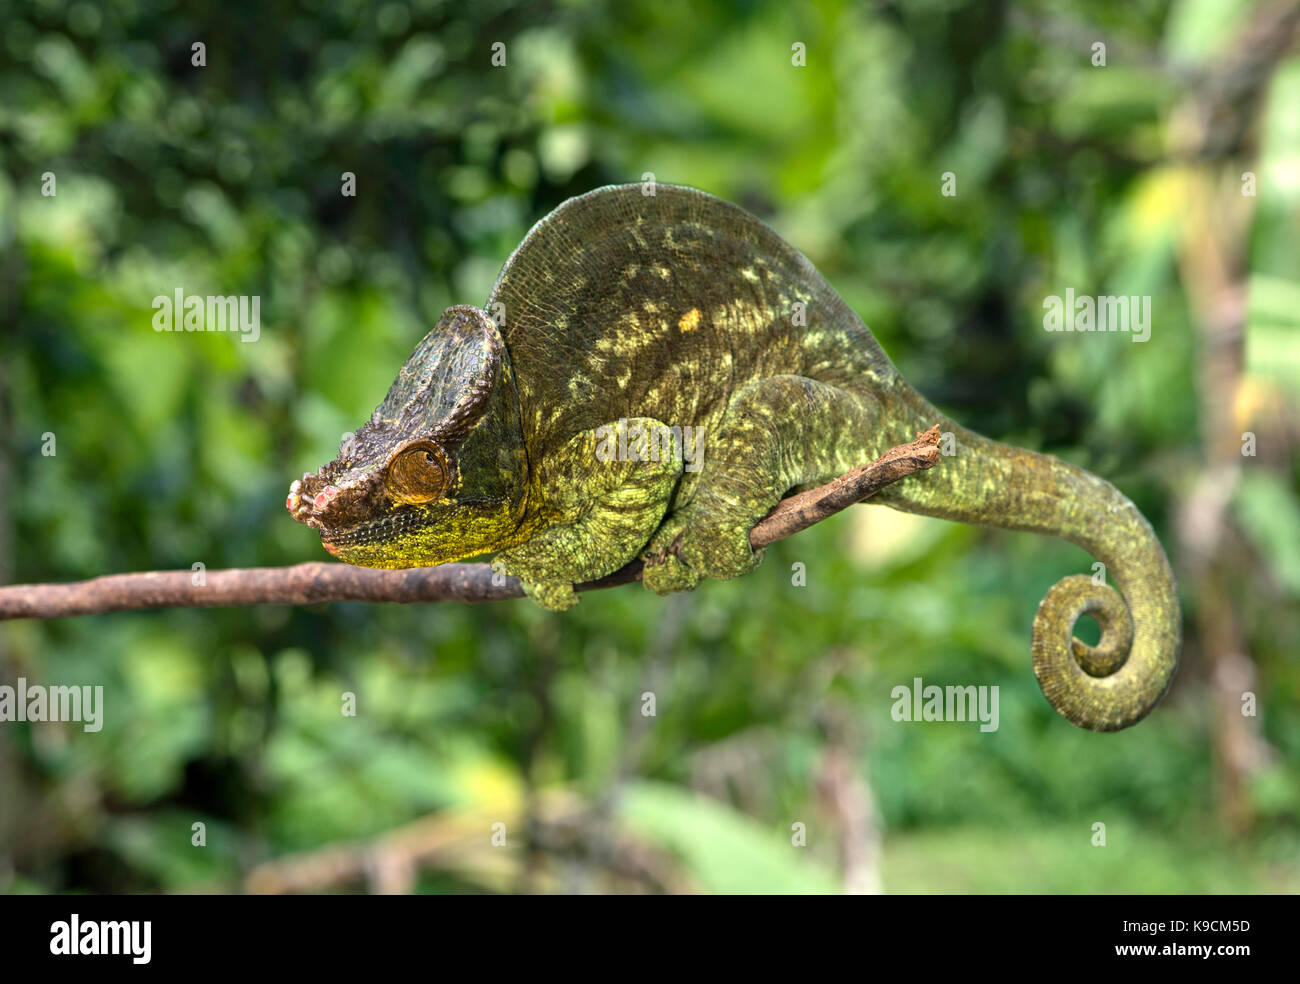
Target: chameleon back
664, 305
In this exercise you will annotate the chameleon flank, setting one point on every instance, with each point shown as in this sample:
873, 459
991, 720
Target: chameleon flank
623, 320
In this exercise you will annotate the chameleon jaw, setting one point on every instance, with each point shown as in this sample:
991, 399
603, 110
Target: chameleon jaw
361, 524
356, 520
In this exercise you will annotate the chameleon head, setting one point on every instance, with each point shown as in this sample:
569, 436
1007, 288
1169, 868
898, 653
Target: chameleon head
439, 471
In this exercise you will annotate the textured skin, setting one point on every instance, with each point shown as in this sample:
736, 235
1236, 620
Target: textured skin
632, 315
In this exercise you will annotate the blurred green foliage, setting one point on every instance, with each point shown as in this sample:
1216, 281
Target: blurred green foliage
176, 449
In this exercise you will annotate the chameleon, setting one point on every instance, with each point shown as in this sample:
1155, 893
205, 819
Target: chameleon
650, 376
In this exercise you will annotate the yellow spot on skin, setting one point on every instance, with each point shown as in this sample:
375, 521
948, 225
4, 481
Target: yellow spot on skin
690, 320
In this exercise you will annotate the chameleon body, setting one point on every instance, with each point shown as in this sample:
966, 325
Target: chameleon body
550, 429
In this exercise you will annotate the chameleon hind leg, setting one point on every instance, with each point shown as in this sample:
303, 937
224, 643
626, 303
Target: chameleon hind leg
778, 433
612, 486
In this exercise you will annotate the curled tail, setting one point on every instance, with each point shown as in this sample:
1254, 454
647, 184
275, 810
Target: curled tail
1104, 687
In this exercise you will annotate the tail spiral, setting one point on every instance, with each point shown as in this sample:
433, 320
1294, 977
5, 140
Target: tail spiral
1099, 687
1117, 682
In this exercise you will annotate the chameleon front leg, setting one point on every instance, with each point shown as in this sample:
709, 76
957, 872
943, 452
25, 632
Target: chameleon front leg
610, 487
778, 433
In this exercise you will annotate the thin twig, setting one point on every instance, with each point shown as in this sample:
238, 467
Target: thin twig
304, 584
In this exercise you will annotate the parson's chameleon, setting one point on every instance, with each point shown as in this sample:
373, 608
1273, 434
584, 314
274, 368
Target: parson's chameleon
548, 429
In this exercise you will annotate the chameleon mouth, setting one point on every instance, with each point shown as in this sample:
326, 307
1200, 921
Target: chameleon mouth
370, 533
344, 515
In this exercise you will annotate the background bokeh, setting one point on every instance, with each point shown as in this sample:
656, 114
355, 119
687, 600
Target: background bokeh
772, 701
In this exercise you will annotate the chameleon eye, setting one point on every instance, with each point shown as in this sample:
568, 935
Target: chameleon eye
418, 473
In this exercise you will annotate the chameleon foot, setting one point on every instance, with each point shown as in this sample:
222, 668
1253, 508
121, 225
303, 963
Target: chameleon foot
682, 554
720, 551
554, 596
664, 571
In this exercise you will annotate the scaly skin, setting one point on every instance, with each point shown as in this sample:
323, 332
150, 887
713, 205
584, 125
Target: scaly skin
624, 317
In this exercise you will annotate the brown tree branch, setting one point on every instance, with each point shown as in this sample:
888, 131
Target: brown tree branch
305, 584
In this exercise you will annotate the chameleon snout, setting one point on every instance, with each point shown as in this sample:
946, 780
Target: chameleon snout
308, 500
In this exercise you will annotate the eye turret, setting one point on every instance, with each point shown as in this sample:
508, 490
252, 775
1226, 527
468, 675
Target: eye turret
420, 472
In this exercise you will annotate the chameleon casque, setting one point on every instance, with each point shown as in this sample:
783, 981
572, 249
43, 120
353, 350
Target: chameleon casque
630, 314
